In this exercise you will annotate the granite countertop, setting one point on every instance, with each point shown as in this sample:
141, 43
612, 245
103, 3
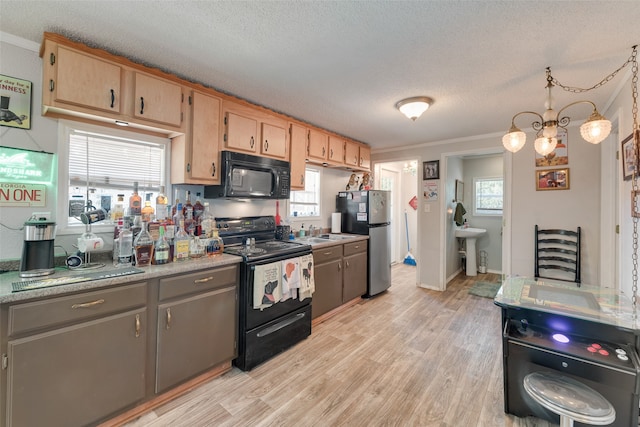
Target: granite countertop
153, 271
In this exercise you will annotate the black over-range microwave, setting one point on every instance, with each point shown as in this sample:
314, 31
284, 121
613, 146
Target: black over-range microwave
250, 177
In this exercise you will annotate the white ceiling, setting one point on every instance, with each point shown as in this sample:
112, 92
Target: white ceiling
342, 65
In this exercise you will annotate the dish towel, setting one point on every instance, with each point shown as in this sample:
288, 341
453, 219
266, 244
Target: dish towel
267, 289
307, 283
459, 214
290, 278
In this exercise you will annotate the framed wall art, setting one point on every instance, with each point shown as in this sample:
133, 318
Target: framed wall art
552, 179
15, 102
629, 161
431, 169
559, 156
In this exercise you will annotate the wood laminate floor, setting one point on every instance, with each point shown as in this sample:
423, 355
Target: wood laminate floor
408, 357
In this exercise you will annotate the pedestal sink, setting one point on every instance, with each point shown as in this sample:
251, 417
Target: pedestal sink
470, 234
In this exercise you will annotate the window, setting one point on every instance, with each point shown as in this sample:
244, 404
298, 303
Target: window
100, 163
306, 203
488, 196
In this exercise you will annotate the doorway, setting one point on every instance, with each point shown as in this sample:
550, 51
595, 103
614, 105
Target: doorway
400, 177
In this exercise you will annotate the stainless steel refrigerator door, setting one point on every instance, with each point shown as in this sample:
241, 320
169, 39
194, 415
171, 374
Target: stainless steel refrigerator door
379, 259
379, 207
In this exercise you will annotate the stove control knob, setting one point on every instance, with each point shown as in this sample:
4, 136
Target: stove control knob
623, 357
621, 352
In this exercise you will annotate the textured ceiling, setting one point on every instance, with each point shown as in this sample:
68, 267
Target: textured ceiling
343, 65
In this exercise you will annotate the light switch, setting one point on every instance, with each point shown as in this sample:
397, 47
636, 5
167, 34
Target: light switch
427, 207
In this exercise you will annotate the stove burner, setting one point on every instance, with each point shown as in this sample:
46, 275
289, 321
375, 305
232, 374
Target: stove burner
248, 251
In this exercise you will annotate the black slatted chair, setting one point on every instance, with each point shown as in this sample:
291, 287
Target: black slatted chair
557, 250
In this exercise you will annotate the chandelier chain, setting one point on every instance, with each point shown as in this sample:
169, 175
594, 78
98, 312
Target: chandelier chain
602, 82
634, 180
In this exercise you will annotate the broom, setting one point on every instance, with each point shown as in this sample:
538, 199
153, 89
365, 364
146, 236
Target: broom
409, 259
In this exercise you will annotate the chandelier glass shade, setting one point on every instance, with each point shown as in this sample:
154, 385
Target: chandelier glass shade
594, 130
414, 107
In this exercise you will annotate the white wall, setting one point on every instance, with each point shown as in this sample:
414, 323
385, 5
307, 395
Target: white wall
455, 170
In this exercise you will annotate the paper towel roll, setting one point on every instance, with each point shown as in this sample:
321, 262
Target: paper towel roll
336, 222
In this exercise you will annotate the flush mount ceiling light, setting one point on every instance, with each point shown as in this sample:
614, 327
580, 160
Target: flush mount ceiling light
414, 107
594, 130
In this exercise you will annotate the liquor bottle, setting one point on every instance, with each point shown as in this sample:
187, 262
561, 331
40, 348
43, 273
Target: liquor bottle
125, 243
118, 209
135, 201
116, 240
198, 209
147, 211
162, 205
196, 248
181, 244
187, 204
144, 247
189, 223
176, 202
215, 245
177, 217
161, 250
207, 222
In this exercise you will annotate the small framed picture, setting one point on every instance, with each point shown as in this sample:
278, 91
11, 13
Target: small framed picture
559, 156
552, 179
629, 161
15, 102
431, 169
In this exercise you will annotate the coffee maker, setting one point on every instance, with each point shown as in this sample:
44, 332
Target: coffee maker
37, 249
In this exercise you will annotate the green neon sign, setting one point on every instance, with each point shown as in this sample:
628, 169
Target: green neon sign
25, 166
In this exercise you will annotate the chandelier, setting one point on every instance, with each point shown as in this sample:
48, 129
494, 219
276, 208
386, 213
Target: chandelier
594, 130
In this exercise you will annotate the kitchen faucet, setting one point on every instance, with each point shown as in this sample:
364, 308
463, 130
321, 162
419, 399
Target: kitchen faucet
311, 230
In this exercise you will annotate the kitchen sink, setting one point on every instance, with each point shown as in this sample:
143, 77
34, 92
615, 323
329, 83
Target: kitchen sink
335, 237
312, 240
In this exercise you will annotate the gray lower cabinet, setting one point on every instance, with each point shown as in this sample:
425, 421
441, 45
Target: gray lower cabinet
82, 372
354, 279
195, 331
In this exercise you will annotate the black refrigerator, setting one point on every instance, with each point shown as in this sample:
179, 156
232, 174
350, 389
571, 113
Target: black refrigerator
369, 213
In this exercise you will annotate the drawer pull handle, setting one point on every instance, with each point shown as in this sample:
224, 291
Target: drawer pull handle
206, 279
168, 318
357, 246
328, 253
137, 325
88, 304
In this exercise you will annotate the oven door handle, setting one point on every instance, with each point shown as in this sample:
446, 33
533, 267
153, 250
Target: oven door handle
280, 325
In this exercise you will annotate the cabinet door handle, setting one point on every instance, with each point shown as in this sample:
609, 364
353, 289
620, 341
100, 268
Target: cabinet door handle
52, 85
266, 145
355, 159
213, 169
137, 325
88, 304
251, 142
331, 153
141, 105
113, 98
204, 280
339, 266
302, 179
52, 58
324, 150
347, 264
168, 318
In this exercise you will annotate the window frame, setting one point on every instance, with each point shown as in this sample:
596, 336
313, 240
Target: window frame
318, 194
65, 127
486, 212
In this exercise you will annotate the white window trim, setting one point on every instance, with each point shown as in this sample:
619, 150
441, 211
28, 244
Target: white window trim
477, 212
296, 219
65, 127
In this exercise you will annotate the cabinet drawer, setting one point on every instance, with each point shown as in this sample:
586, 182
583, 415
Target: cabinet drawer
51, 312
327, 254
355, 247
197, 282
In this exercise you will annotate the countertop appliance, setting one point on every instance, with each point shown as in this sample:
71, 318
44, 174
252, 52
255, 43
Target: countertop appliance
369, 213
250, 177
37, 248
574, 333
263, 333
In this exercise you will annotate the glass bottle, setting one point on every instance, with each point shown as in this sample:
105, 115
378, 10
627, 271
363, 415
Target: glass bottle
196, 247
161, 249
135, 201
162, 205
187, 204
144, 247
181, 244
176, 202
177, 216
125, 243
118, 209
189, 223
147, 211
207, 222
215, 245
198, 209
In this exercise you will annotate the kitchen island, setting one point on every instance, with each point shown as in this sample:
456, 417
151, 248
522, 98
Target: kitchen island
589, 334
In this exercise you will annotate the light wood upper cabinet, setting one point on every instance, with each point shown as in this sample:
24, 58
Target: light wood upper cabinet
352, 154
318, 145
241, 129
195, 156
157, 100
365, 157
274, 141
298, 136
336, 150
76, 78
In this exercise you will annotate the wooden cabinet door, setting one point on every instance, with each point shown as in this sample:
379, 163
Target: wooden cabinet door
352, 154
85, 80
205, 137
241, 132
328, 294
317, 149
77, 375
195, 334
157, 100
336, 150
365, 157
355, 277
274, 141
298, 136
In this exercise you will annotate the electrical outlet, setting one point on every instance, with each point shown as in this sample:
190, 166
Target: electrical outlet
43, 216
427, 207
